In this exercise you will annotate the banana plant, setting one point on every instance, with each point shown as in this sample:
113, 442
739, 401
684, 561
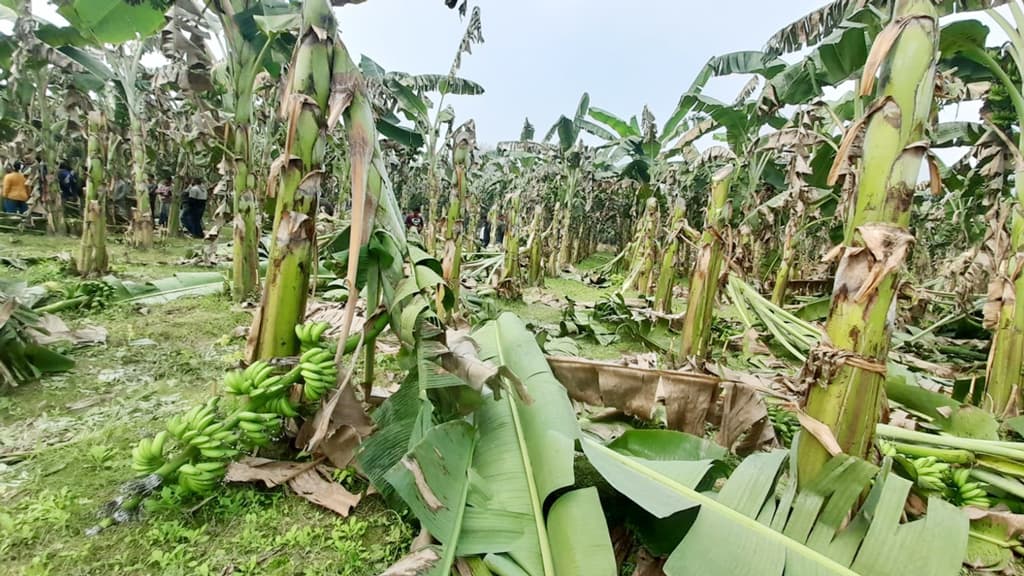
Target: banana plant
93, 260
966, 39
251, 30
848, 382
407, 94
568, 131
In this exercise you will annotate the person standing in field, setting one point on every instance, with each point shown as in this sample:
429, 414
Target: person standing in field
15, 191
163, 196
195, 205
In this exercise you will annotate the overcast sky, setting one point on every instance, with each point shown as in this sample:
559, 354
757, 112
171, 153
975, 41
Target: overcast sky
541, 55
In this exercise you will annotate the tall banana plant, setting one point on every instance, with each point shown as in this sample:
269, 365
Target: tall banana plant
313, 97
247, 48
847, 370
568, 130
1004, 376
429, 132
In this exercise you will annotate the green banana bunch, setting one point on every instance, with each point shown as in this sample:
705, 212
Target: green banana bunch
786, 423
97, 294
148, 455
965, 492
309, 334
201, 477
243, 382
931, 473
198, 418
319, 373
257, 429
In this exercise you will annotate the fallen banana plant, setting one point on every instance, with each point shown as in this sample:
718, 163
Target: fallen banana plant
759, 525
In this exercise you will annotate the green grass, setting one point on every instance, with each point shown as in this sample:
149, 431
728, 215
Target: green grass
161, 261
65, 447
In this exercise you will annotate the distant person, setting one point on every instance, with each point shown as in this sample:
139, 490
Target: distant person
151, 186
499, 234
414, 221
163, 198
195, 205
15, 190
69, 188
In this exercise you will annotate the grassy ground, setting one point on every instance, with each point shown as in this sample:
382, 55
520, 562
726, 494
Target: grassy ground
71, 438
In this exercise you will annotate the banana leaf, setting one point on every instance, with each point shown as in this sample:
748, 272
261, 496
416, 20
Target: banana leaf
758, 524
180, 285
486, 495
21, 359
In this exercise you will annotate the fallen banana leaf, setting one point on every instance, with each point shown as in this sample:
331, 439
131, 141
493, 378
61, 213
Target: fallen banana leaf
180, 285
689, 397
748, 530
526, 453
482, 489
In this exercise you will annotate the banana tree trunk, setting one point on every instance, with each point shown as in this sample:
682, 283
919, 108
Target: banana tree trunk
142, 221
92, 259
565, 243
48, 187
245, 257
1003, 373
700, 306
177, 191
641, 262
848, 372
433, 193
512, 246
782, 275
455, 233
667, 273
535, 271
292, 245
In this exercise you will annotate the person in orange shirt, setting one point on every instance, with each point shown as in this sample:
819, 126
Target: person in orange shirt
15, 191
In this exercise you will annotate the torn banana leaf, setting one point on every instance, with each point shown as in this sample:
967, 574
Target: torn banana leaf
759, 526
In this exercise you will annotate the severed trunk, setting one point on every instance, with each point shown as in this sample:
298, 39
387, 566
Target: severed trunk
142, 219
667, 273
846, 373
796, 220
1003, 372
511, 239
535, 244
700, 305
455, 233
92, 258
645, 247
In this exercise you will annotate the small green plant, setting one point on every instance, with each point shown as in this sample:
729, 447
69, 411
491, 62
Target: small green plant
101, 455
